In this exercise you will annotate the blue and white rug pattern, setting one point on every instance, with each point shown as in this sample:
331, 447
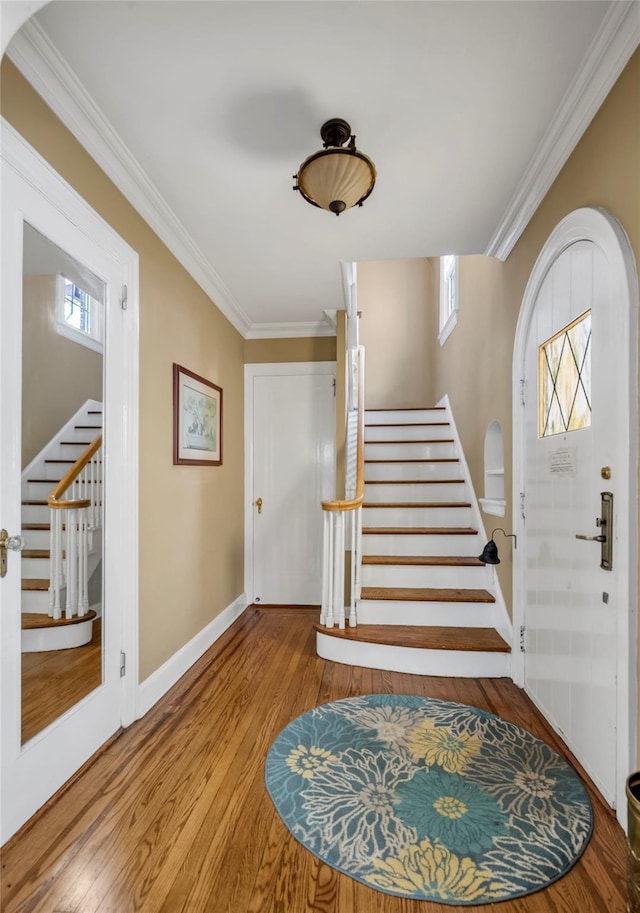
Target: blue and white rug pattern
428, 799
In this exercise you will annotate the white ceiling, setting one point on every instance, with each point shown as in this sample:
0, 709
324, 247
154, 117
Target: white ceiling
219, 102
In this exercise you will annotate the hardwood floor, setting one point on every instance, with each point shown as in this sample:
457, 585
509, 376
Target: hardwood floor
173, 816
55, 680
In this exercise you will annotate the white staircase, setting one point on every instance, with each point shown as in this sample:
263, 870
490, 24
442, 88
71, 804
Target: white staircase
427, 604
40, 631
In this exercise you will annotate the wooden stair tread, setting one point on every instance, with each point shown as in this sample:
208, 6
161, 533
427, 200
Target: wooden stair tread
419, 531
423, 560
33, 503
403, 424
430, 638
36, 526
416, 504
425, 594
409, 409
414, 482
421, 441
75, 443
33, 620
36, 553
35, 583
88, 427
444, 440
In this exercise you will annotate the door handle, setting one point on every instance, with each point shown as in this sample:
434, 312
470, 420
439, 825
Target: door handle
259, 505
15, 543
605, 539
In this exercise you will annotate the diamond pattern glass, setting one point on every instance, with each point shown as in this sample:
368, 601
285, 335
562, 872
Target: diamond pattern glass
565, 379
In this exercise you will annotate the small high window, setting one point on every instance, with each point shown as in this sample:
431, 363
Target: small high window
79, 316
448, 296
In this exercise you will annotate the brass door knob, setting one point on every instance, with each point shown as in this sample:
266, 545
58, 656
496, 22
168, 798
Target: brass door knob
259, 505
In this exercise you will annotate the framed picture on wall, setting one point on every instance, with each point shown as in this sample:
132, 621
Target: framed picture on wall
197, 420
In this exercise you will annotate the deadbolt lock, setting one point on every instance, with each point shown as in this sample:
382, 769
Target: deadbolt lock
605, 472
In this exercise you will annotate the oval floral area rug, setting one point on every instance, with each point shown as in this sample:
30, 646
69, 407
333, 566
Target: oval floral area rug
428, 799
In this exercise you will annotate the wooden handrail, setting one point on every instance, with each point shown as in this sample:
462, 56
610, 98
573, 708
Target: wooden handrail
54, 499
354, 503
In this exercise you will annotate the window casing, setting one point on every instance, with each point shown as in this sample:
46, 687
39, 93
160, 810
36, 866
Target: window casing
448, 296
79, 317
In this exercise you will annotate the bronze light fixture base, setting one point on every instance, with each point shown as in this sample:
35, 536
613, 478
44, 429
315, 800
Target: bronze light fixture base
338, 176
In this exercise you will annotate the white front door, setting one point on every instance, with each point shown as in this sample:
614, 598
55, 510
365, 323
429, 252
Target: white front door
33, 194
291, 410
577, 446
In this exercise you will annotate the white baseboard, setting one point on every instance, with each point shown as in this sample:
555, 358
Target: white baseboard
159, 682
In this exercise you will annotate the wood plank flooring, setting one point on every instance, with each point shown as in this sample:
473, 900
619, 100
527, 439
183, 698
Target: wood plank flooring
55, 680
173, 816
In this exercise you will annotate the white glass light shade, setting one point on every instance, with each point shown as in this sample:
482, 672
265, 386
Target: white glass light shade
334, 176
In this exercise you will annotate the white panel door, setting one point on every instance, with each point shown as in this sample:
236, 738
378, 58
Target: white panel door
33, 194
293, 471
571, 603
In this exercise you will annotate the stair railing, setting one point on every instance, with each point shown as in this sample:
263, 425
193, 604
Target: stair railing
336, 515
76, 512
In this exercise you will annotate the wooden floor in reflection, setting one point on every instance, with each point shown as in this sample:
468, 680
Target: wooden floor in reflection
54, 681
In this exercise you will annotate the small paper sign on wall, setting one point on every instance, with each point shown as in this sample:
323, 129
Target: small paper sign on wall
197, 419
562, 462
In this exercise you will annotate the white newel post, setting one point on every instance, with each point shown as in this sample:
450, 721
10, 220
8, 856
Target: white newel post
55, 561
326, 575
72, 562
338, 568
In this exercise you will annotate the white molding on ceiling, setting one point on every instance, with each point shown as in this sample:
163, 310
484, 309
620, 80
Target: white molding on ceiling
290, 330
615, 42
43, 66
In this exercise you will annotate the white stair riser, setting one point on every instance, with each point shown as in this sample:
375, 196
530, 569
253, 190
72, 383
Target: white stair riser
421, 492
440, 576
431, 470
407, 450
388, 544
36, 538
413, 660
434, 432
60, 638
38, 490
440, 450
35, 601
416, 516
404, 416
444, 614
34, 567
32, 513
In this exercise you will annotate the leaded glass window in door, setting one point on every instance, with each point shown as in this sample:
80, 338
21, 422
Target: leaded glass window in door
565, 379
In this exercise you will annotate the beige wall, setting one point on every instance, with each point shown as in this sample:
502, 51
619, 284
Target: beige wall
396, 325
191, 518
311, 348
58, 375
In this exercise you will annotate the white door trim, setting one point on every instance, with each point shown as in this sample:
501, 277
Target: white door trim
264, 370
19, 160
601, 228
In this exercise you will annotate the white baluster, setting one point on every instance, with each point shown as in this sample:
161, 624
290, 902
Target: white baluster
83, 566
330, 571
358, 586
72, 563
354, 564
99, 507
55, 564
338, 569
326, 582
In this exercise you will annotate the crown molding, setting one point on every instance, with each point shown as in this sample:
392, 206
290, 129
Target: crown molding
40, 63
617, 39
290, 330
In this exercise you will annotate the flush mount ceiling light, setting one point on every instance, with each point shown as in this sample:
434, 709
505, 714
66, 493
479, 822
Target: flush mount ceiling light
338, 176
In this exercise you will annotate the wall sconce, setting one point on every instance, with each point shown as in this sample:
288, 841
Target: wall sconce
490, 551
338, 177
